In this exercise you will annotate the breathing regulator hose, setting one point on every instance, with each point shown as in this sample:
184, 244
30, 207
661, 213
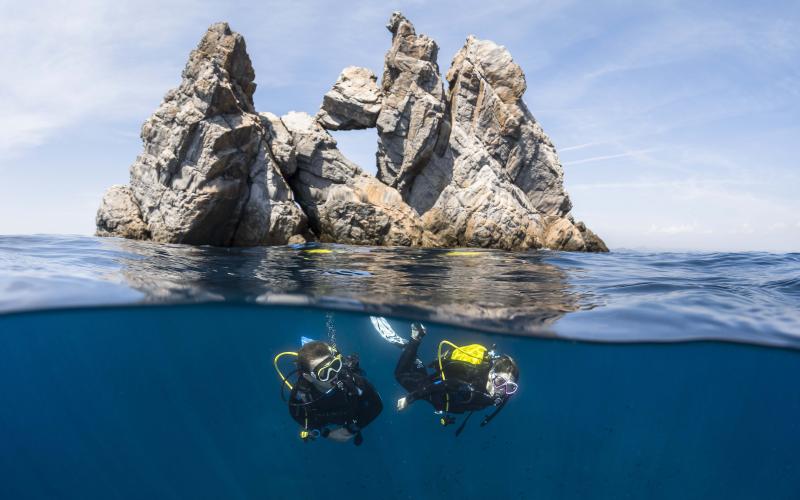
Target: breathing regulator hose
280, 373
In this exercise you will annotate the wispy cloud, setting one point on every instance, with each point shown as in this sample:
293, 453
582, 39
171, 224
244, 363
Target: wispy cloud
678, 229
72, 61
626, 154
581, 146
694, 185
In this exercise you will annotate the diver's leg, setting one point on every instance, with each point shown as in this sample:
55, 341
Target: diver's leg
408, 373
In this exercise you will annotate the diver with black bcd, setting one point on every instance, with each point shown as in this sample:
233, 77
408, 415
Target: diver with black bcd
464, 379
330, 398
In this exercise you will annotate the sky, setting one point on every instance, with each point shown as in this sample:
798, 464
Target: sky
677, 123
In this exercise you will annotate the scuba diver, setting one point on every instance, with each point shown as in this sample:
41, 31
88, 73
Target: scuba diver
331, 397
465, 379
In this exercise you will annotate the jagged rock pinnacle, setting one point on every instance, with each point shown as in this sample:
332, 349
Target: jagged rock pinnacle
466, 167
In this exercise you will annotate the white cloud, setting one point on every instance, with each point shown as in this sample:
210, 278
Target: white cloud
743, 228
69, 61
581, 146
626, 154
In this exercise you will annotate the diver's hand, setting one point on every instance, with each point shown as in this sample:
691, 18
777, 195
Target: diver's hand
417, 331
340, 435
402, 403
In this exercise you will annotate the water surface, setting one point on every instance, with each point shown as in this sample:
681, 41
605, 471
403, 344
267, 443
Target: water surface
620, 296
138, 370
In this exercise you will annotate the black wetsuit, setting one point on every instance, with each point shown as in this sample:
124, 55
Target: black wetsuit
465, 395
354, 405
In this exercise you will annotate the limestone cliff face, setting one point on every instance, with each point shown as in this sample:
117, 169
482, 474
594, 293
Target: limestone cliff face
468, 166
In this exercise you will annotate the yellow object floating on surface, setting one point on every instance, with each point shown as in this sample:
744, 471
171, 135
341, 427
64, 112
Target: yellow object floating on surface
461, 253
319, 250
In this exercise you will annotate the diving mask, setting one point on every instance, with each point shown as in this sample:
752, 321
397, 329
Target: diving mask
330, 369
504, 386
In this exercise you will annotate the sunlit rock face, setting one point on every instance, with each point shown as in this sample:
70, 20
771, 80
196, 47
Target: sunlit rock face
499, 182
464, 166
206, 175
119, 215
353, 103
486, 88
414, 102
343, 203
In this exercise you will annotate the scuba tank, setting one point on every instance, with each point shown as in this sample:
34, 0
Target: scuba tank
466, 363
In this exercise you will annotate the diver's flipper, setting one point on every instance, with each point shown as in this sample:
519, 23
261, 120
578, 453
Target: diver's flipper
386, 331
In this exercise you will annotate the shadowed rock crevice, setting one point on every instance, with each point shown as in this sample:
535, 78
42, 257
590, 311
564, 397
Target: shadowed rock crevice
466, 166
343, 203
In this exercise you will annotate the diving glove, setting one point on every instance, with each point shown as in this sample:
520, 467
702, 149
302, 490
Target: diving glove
307, 435
417, 331
402, 403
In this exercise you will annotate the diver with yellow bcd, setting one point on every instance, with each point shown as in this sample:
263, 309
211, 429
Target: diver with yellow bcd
330, 397
464, 379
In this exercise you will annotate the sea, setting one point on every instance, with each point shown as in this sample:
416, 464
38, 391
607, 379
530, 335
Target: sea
134, 370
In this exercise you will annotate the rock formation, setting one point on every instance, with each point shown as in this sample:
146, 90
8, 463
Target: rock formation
469, 166
411, 117
343, 203
486, 88
353, 103
119, 215
499, 182
206, 175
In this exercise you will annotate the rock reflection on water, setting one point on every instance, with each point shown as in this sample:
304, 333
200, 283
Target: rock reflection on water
495, 290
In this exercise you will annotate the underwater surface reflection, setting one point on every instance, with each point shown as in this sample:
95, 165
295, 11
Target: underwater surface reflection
621, 296
184, 402
497, 289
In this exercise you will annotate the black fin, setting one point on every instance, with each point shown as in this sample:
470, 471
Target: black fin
464, 423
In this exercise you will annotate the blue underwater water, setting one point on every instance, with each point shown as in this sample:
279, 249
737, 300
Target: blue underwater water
135, 370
